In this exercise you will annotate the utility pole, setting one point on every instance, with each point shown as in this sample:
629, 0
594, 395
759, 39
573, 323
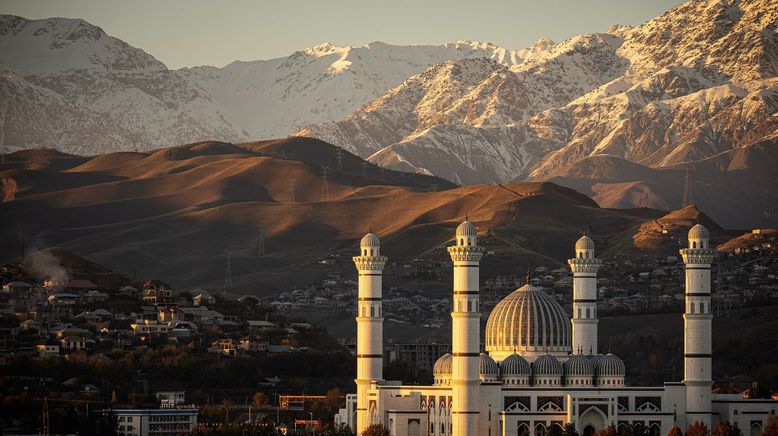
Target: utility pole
325, 189
46, 423
228, 275
261, 241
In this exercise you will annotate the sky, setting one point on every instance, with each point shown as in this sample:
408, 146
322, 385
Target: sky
184, 33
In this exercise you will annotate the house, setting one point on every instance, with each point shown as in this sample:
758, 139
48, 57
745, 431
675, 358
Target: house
76, 343
253, 345
48, 348
151, 328
157, 291
203, 298
9, 331
261, 325
170, 398
16, 287
225, 347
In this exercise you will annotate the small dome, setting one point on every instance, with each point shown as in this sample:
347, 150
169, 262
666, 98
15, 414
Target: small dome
443, 365
467, 229
578, 365
610, 366
514, 365
488, 367
584, 243
699, 232
370, 240
546, 365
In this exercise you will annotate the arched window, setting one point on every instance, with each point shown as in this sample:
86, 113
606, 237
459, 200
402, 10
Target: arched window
694, 244
702, 307
691, 307
372, 311
580, 314
588, 313
469, 305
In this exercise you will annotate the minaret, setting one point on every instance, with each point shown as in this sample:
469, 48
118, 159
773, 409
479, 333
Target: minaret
697, 327
370, 324
465, 335
584, 267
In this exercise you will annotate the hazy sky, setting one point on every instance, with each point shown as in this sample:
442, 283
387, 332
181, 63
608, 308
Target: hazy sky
197, 32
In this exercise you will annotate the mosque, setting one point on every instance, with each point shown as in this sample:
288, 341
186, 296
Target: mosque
540, 368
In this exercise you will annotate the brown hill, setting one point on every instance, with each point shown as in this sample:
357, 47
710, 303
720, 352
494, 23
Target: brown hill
178, 214
737, 188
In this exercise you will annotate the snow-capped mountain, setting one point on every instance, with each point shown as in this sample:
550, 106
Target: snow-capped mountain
469, 120
692, 83
67, 84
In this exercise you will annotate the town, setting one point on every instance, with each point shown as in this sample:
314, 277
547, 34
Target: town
175, 358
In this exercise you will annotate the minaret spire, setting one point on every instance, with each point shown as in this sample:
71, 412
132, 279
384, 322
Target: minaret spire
465, 334
370, 323
697, 326
585, 266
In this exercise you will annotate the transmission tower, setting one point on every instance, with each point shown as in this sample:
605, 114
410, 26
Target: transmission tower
383, 173
434, 187
261, 242
687, 191
364, 168
292, 186
339, 158
228, 274
325, 189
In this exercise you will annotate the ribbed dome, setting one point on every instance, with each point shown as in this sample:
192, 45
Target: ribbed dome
466, 229
578, 365
584, 243
443, 365
699, 232
527, 321
370, 240
488, 367
610, 366
546, 365
514, 365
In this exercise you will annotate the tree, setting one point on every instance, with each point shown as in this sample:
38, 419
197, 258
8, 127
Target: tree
610, 431
675, 431
771, 429
555, 430
697, 429
375, 430
259, 399
725, 428
569, 430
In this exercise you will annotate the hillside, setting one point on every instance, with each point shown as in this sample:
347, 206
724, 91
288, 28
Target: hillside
176, 213
737, 188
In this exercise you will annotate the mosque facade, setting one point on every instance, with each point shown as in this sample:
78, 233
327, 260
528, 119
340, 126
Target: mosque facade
540, 366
